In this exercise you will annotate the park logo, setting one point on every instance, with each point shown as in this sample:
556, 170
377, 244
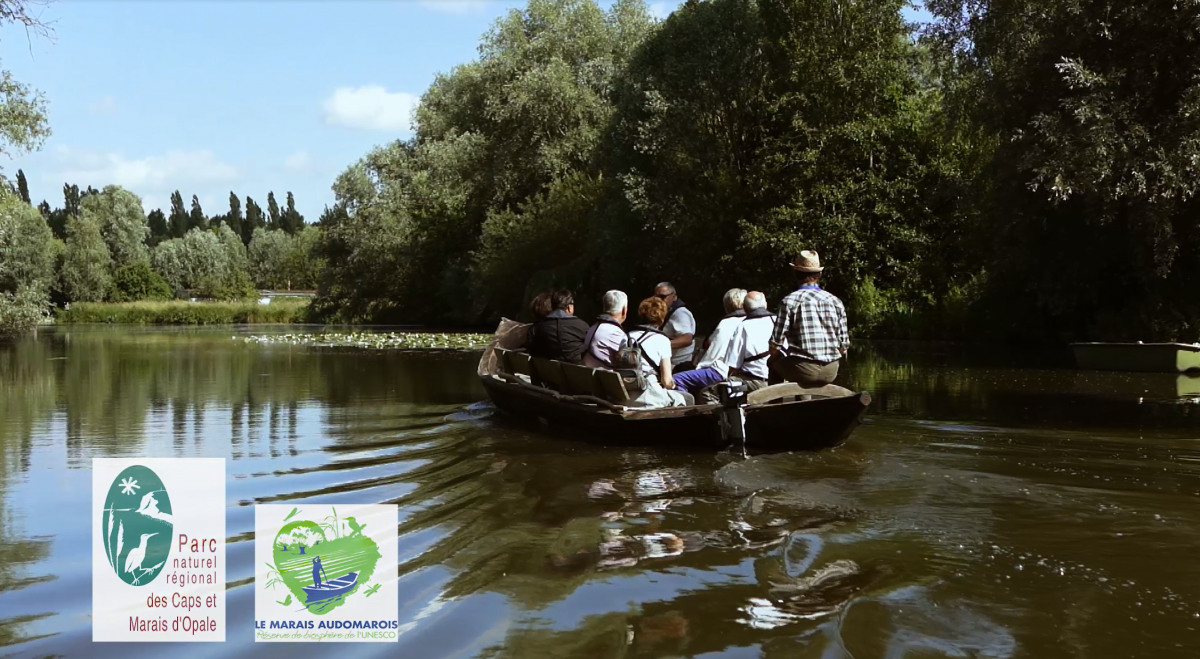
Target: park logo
325, 573
137, 525
158, 549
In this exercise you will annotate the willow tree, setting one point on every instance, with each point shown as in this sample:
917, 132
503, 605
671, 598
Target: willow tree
490, 137
23, 128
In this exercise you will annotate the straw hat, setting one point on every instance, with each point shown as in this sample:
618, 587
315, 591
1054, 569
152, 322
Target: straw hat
808, 262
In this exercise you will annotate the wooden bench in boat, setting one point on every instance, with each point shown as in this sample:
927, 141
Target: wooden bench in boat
567, 379
606, 385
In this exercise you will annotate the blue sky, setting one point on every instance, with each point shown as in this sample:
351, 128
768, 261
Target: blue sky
207, 97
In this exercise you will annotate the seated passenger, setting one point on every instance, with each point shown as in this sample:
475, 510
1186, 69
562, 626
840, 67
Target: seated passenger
604, 339
539, 307
655, 358
711, 368
559, 335
747, 356
679, 326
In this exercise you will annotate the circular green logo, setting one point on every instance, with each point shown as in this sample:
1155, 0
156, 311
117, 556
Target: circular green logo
137, 525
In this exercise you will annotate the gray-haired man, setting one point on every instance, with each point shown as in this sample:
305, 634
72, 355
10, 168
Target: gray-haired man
604, 339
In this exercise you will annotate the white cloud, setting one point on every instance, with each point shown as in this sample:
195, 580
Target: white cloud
456, 6
106, 105
150, 177
297, 162
370, 107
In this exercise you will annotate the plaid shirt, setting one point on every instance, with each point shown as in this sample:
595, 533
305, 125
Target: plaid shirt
813, 323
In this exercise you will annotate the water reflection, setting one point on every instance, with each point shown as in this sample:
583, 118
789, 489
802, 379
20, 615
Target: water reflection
988, 508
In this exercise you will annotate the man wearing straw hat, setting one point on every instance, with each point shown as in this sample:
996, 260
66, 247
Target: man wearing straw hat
810, 336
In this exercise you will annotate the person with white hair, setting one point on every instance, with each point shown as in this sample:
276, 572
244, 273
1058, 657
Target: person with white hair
746, 357
605, 337
712, 369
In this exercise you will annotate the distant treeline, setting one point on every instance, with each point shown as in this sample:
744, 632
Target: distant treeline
100, 246
1011, 170
180, 220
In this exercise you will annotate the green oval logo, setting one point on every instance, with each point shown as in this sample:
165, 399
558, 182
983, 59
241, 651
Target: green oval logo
137, 525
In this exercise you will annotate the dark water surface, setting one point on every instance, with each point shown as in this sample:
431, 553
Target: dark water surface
993, 505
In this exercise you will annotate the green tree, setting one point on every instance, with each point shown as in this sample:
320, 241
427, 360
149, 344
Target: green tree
118, 213
254, 220
1089, 197
178, 219
491, 135
159, 230
137, 281
292, 221
274, 218
197, 219
268, 254
85, 274
23, 187
27, 254
234, 219
210, 263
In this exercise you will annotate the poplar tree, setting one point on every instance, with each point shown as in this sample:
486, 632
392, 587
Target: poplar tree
293, 221
179, 218
23, 187
197, 219
274, 220
254, 220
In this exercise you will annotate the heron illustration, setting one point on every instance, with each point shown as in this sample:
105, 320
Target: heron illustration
133, 560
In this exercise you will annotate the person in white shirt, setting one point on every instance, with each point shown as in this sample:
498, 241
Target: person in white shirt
679, 326
712, 368
655, 362
746, 358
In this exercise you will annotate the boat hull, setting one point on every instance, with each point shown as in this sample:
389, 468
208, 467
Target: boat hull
331, 588
1138, 357
786, 426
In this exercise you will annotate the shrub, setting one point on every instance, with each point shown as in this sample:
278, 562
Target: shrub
138, 282
22, 312
186, 313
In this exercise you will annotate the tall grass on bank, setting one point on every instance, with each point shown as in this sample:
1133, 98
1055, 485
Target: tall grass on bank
185, 313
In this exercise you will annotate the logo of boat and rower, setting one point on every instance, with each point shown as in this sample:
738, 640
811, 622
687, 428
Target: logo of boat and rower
325, 573
158, 549
137, 525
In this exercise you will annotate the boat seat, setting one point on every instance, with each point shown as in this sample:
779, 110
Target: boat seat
519, 362
550, 373
503, 364
581, 381
611, 385
793, 391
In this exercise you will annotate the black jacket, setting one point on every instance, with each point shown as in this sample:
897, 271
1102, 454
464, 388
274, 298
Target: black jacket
559, 336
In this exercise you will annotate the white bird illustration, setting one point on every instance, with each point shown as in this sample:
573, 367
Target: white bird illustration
133, 560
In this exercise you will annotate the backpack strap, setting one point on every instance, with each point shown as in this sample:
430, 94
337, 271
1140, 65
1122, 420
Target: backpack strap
639, 341
756, 357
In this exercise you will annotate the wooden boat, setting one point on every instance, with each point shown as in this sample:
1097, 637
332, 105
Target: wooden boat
1142, 357
594, 403
331, 588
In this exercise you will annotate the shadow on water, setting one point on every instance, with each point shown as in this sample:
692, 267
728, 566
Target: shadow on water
972, 515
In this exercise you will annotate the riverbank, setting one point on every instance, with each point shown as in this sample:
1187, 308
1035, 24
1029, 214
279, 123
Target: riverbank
180, 312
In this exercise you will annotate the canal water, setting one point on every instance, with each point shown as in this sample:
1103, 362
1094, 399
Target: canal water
993, 504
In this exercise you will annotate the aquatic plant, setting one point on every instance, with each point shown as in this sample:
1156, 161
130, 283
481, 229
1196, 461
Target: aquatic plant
382, 341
